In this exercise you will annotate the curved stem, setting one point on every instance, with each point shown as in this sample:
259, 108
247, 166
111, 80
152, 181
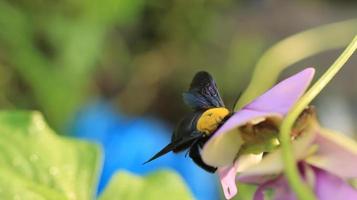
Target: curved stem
291, 172
292, 50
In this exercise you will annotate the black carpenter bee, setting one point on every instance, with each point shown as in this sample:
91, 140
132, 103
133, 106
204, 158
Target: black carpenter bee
194, 130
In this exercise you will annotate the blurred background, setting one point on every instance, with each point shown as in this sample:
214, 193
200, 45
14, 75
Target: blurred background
113, 71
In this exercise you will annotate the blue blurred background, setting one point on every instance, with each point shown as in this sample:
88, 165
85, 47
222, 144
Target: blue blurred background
128, 142
113, 71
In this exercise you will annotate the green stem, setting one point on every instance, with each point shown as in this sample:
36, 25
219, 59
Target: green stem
292, 50
291, 172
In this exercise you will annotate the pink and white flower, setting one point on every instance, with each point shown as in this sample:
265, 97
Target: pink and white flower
319, 153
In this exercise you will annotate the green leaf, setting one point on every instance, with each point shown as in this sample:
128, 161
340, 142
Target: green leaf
246, 191
158, 185
35, 163
112, 11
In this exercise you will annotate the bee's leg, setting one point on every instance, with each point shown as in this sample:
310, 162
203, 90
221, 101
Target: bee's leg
202, 137
196, 157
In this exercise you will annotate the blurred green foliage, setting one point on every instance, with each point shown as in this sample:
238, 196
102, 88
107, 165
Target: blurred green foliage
37, 164
56, 56
245, 191
55, 46
158, 185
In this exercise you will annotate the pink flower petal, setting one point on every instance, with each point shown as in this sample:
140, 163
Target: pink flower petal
330, 187
336, 154
281, 190
227, 175
284, 95
259, 193
326, 187
222, 148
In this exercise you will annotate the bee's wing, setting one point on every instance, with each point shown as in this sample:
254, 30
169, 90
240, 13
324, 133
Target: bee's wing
172, 146
203, 92
162, 152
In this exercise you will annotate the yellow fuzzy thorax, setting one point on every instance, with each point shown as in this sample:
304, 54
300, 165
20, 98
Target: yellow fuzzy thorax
210, 120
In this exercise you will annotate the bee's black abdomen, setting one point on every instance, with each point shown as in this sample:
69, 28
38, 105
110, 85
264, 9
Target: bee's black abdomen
196, 157
186, 130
